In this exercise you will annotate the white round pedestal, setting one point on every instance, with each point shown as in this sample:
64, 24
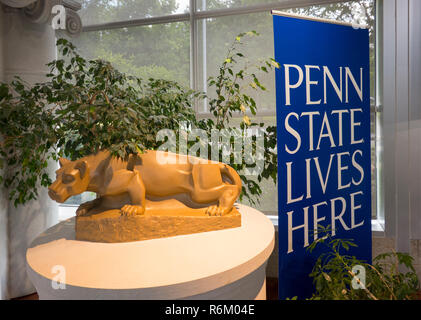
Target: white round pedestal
225, 264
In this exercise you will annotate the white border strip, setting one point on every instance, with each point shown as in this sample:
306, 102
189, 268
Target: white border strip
298, 16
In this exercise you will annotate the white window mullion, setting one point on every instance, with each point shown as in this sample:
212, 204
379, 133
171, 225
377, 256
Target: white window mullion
204, 64
193, 48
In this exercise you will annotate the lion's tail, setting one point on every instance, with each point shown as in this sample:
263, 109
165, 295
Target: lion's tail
232, 175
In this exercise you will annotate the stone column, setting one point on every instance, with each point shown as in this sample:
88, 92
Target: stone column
28, 45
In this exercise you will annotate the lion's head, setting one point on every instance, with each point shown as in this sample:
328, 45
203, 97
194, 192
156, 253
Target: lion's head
71, 179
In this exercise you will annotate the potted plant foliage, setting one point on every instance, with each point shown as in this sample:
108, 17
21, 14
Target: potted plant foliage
391, 276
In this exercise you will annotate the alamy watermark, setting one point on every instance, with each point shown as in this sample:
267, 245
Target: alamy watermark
234, 145
58, 21
58, 282
358, 280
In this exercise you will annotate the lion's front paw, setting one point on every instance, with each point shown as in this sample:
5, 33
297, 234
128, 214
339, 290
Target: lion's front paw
217, 211
132, 210
81, 211
85, 207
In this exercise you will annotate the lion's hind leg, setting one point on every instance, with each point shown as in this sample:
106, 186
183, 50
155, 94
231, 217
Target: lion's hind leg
207, 183
209, 187
225, 202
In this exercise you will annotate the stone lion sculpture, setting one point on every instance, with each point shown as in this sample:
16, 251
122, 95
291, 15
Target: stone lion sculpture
149, 185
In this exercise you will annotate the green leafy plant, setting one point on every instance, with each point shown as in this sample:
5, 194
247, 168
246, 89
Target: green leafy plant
87, 105
391, 276
26, 137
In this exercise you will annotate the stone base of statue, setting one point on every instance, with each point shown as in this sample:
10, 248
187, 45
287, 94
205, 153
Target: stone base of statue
104, 225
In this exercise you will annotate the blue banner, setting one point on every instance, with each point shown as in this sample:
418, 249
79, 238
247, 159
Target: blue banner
323, 131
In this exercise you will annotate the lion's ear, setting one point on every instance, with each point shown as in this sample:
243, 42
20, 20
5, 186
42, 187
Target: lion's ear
82, 166
63, 161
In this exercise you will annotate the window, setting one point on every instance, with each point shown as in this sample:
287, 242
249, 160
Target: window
186, 40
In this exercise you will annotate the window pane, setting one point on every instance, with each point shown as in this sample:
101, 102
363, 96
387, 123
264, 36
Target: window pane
81, 198
103, 11
220, 33
158, 51
268, 200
